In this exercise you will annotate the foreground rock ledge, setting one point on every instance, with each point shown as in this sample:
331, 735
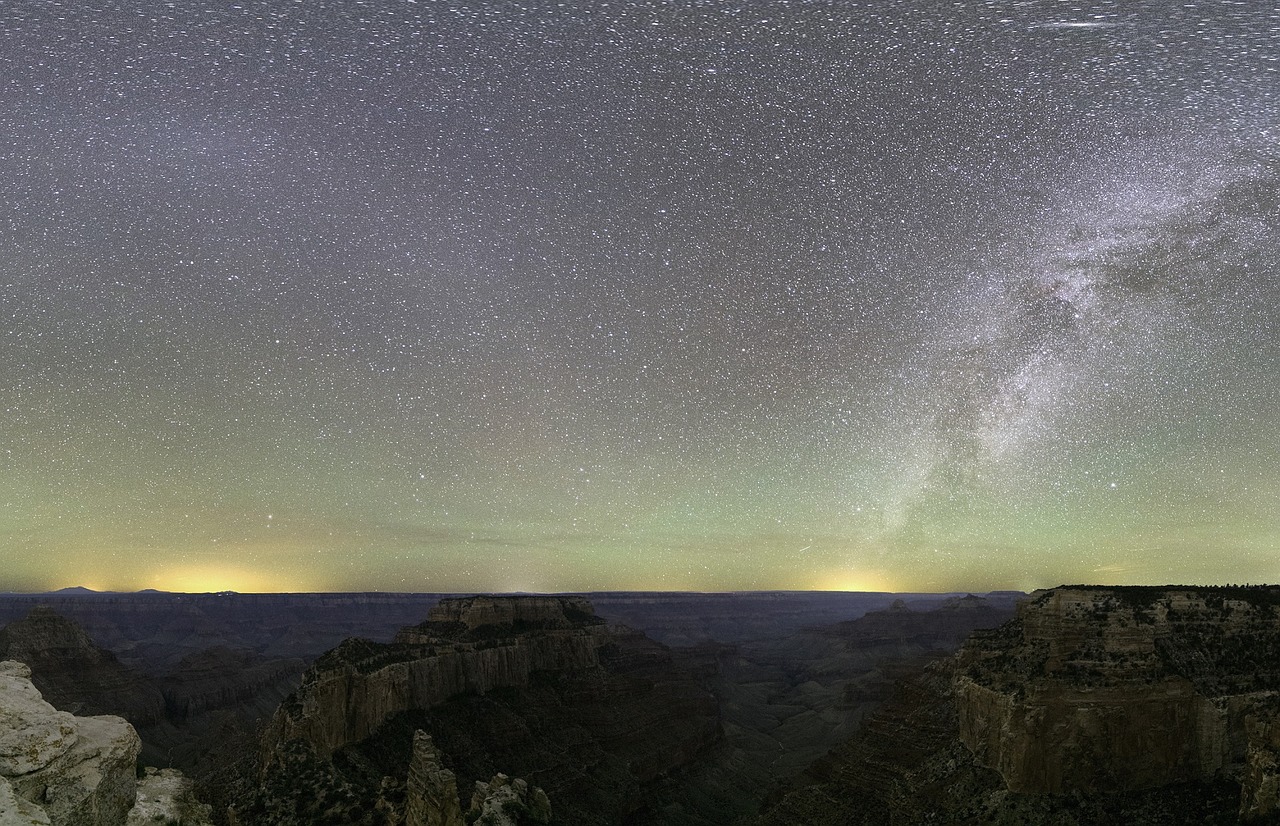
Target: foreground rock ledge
58, 768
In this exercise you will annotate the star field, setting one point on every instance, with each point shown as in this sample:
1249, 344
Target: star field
437, 296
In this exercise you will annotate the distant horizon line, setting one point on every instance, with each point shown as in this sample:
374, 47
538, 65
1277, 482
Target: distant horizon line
83, 591
80, 590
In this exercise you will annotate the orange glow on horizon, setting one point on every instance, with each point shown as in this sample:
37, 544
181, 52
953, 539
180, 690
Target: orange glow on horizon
209, 578
846, 580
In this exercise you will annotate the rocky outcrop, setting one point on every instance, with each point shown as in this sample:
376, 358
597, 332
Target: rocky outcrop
1093, 706
472, 645
432, 795
1121, 689
165, 797
543, 689
432, 789
75, 675
507, 802
72, 771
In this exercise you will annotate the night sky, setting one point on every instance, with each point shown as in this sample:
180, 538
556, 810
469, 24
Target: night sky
466, 296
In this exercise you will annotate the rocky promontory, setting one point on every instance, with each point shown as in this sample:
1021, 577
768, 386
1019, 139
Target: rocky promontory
1094, 705
1125, 688
75, 675
59, 769
519, 686
467, 645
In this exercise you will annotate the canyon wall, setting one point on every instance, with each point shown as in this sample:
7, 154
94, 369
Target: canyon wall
1120, 689
1094, 705
358, 686
501, 687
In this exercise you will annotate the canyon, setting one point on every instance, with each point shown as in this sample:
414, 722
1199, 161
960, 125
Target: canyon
518, 686
238, 691
1094, 705
1085, 705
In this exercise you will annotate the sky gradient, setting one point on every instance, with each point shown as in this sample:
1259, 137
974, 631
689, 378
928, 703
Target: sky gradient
436, 296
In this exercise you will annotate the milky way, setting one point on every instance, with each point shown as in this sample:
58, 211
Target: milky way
441, 296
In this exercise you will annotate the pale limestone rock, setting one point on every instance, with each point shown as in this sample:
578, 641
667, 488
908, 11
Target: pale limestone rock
497, 802
14, 811
78, 770
433, 789
164, 796
32, 733
1260, 784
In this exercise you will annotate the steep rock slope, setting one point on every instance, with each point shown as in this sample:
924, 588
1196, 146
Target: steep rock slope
789, 700
57, 768
1123, 689
1094, 706
75, 675
533, 687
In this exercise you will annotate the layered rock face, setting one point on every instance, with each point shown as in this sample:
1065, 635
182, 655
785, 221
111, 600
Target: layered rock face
432, 789
1121, 689
1094, 706
75, 675
165, 796
528, 686
469, 645
60, 769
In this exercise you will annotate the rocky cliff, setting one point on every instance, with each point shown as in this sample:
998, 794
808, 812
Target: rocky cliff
57, 768
1123, 689
1093, 706
75, 675
527, 686
469, 645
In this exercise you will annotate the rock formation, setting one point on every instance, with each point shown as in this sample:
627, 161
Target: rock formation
507, 802
165, 797
75, 675
1095, 705
432, 795
466, 646
531, 686
1122, 689
58, 768
432, 789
